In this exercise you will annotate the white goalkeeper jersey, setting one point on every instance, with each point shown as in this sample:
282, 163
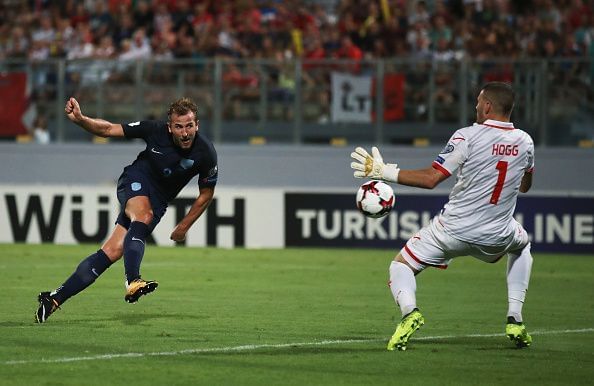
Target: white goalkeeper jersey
490, 160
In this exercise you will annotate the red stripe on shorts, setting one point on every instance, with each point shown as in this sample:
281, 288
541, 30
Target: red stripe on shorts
422, 262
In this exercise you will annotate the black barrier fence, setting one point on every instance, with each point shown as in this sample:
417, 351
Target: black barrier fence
555, 224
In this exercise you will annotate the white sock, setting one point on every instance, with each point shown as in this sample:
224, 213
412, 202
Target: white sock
519, 267
403, 286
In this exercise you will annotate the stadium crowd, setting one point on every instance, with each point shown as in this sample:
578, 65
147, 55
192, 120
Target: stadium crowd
441, 31
166, 29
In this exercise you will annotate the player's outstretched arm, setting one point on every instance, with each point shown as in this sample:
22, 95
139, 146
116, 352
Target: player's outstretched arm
373, 166
427, 178
96, 126
198, 207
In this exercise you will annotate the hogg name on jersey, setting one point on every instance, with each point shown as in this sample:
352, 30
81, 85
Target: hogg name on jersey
503, 149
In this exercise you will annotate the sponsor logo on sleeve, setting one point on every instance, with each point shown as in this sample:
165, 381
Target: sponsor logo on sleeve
212, 176
439, 160
212, 172
447, 149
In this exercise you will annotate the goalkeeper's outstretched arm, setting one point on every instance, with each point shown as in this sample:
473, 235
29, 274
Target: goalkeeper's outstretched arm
427, 178
373, 167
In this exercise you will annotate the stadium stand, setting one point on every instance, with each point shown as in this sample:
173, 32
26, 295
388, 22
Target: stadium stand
102, 40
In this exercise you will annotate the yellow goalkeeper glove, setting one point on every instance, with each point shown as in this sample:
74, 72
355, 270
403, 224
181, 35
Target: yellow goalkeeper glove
373, 167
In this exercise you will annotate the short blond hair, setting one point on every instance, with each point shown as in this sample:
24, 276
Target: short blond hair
183, 106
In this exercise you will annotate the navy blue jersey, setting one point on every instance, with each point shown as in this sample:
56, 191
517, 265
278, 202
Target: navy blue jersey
167, 166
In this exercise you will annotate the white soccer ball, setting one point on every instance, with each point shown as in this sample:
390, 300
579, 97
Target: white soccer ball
375, 199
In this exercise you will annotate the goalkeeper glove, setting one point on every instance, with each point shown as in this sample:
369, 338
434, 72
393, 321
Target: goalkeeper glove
373, 166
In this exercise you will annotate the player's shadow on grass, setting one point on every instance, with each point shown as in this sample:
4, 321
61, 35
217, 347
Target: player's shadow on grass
17, 323
138, 318
127, 318
297, 350
493, 343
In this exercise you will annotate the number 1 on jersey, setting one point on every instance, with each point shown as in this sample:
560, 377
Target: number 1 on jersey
502, 167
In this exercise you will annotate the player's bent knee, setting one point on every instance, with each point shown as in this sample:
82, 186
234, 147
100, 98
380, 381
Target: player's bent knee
145, 217
400, 259
114, 253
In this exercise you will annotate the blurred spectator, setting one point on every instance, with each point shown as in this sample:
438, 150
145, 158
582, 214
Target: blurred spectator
143, 16
269, 50
80, 15
40, 132
419, 13
18, 44
227, 41
440, 31
249, 25
42, 38
576, 14
140, 47
124, 28
549, 12
131, 50
283, 92
443, 52
239, 87
162, 17
313, 51
105, 49
348, 50
83, 46
182, 14
418, 40
202, 20
100, 20
331, 39
65, 38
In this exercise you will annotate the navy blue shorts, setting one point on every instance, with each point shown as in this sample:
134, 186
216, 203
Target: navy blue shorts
133, 184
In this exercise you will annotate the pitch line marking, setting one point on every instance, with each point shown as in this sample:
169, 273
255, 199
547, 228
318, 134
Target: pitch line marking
253, 347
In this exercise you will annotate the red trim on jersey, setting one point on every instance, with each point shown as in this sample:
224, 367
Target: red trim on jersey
499, 127
437, 166
412, 255
460, 138
531, 170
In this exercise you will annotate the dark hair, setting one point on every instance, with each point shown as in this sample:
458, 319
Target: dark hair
501, 95
183, 106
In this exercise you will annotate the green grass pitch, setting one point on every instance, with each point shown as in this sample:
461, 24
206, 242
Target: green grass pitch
290, 317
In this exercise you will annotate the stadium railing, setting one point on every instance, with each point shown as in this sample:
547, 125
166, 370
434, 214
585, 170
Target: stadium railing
419, 101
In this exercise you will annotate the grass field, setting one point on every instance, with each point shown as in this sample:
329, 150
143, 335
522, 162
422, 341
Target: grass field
291, 317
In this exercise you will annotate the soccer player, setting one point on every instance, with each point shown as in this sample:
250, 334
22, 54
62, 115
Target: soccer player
494, 161
175, 152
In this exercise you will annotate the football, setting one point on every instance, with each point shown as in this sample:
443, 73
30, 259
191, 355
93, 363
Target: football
375, 199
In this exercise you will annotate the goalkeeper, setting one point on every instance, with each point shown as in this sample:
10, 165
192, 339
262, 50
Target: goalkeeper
493, 161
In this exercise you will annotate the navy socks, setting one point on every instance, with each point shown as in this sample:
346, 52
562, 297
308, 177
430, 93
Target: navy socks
134, 249
85, 274
93, 266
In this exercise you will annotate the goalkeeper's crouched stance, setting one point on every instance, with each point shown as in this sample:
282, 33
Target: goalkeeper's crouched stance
478, 217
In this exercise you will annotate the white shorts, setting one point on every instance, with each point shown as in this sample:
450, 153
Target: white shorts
433, 247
